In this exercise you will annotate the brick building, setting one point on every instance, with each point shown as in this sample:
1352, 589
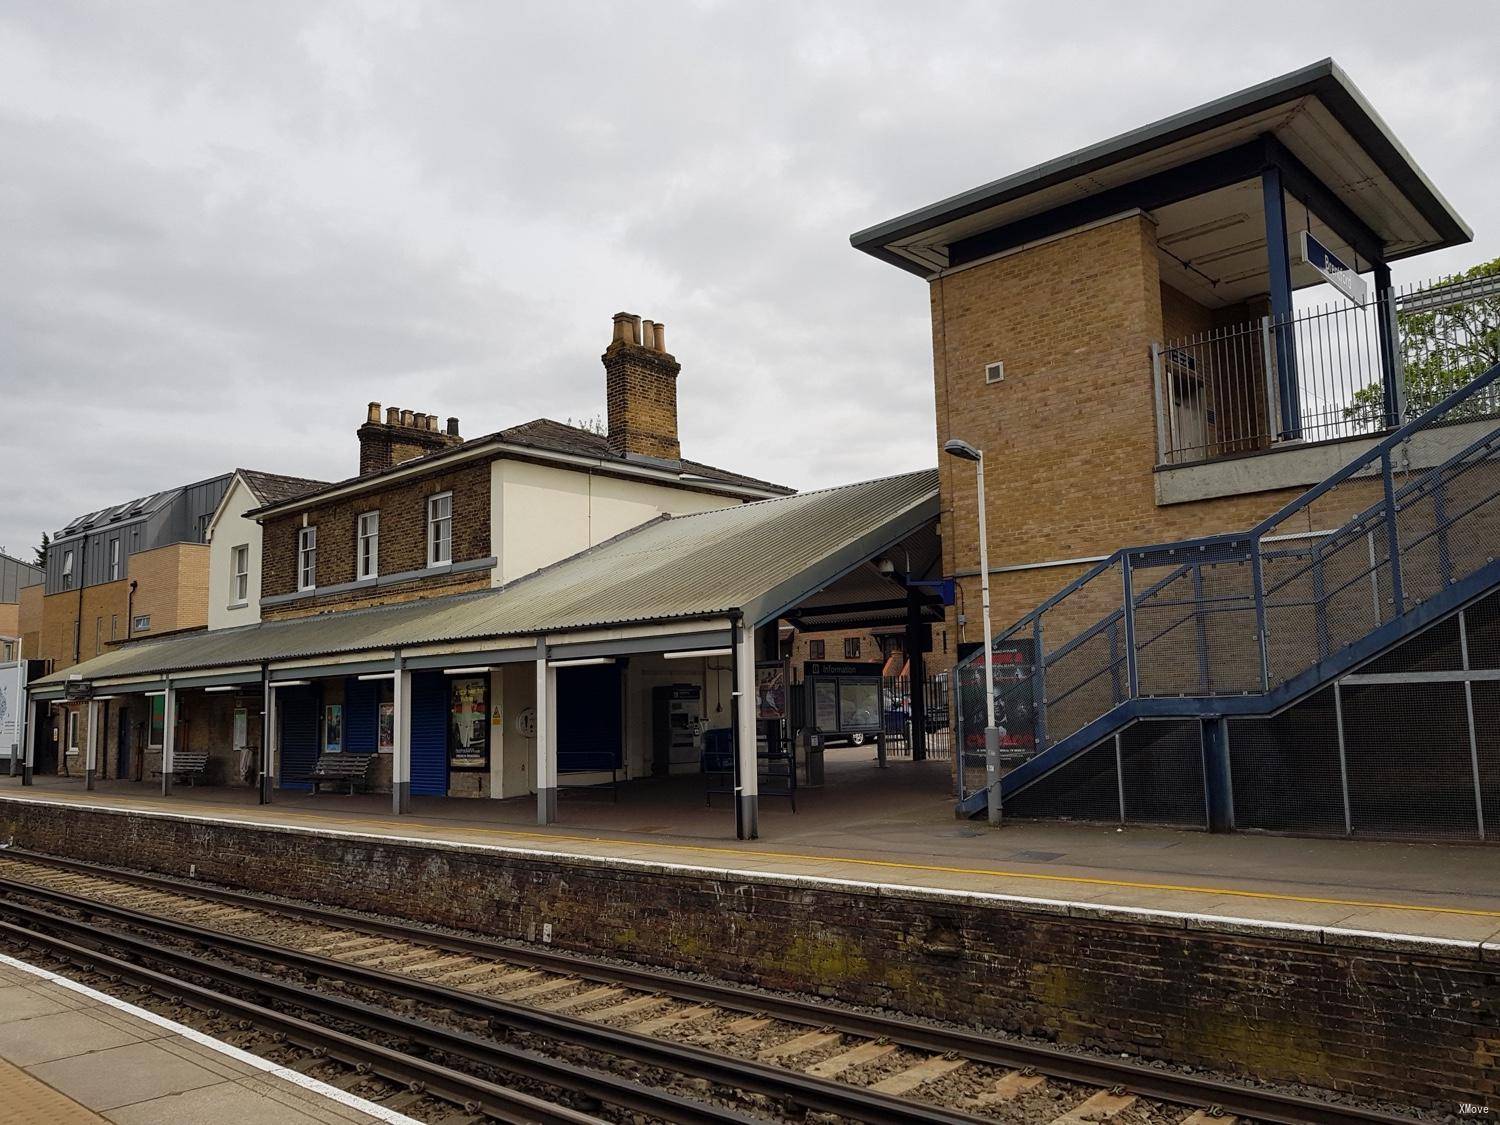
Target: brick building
130, 571
1180, 361
15, 577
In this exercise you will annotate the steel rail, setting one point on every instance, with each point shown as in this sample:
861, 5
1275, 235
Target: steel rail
1231, 1097
726, 1070
497, 1101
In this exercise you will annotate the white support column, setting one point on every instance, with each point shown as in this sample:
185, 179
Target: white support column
401, 752
546, 737
268, 738
168, 737
747, 777
91, 747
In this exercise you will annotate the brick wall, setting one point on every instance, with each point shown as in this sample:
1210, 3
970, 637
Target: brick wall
29, 624
1069, 436
104, 608
403, 542
641, 393
1378, 1022
172, 587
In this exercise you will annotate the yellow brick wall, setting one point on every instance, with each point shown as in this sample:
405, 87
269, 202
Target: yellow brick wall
1069, 436
172, 587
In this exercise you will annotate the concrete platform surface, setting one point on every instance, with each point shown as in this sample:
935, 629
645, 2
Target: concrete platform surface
895, 827
70, 1054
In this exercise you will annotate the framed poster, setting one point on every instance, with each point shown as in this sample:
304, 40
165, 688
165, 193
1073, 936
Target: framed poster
385, 729
333, 728
770, 691
468, 723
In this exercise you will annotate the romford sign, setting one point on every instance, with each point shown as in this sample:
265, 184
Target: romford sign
1334, 271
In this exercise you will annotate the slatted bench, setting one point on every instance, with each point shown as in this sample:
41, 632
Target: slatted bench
188, 766
345, 768
593, 761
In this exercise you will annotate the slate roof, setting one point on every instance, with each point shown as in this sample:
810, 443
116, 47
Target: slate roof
274, 488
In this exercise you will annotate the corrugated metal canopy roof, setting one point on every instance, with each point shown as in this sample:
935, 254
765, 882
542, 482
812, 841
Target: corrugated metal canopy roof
758, 559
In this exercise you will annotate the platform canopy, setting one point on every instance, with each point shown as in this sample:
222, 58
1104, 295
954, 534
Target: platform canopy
755, 562
1197, 173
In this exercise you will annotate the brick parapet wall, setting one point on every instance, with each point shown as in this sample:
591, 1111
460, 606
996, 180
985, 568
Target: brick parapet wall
1411, 1023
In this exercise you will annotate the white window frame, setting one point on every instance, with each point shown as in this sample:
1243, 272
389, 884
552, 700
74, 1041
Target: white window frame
440, 530
307, 558
141, 623
367, 534
239, 574
67, 569
71, 738
114, 559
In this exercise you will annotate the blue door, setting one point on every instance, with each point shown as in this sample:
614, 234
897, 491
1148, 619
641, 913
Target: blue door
299, 711
361, 715
429, 734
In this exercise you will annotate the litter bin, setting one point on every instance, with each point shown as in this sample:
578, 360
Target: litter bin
812, 757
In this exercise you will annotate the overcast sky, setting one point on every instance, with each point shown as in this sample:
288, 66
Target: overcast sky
225, 227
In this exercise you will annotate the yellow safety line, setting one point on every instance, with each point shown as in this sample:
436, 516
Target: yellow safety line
1083, 880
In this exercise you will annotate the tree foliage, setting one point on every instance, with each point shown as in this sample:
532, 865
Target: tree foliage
41, 550
1442, 349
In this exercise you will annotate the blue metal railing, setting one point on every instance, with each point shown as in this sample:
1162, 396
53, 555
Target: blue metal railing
1224, 618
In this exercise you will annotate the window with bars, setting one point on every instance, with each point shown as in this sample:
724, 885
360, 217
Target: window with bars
307, 558
440, 529
369, 545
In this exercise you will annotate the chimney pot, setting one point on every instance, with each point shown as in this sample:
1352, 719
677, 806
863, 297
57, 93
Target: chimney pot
392, 416
622, 328
405, 417
452, 427
432, 423
648, 334
372, 414
661, 337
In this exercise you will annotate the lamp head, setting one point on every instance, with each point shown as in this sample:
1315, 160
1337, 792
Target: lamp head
957, 447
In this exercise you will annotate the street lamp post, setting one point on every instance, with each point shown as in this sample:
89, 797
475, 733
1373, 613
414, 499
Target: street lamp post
956, 447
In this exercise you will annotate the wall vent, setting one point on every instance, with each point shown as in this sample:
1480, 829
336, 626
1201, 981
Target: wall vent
994, 372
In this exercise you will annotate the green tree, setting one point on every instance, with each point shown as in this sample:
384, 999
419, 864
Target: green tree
1442, 349
41, 551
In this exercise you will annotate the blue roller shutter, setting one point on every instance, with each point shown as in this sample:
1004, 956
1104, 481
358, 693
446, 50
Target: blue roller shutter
300, 712
588, 717
361, 704
429, 734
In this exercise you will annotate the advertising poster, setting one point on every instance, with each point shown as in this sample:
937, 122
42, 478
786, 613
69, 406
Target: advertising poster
385, 729
468, 724
770, 691
10, 708
1015, 708
333, 728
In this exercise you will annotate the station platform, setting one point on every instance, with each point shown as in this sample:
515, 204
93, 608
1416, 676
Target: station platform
72, 1056
895, 829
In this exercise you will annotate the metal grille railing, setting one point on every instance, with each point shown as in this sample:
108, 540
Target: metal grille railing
1230, 615
1320, 373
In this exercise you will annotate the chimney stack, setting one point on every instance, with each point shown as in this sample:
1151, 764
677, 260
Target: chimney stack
404, 436
640, 380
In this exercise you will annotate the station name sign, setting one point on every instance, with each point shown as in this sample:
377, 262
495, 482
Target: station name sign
79, 689
1333, 269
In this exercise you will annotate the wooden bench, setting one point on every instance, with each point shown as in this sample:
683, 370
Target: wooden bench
346, 768
188, 766
593, 761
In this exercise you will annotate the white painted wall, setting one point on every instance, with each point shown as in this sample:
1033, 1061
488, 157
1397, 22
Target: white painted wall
229, 530
540, 514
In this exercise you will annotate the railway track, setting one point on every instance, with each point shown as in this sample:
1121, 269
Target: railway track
617, 1039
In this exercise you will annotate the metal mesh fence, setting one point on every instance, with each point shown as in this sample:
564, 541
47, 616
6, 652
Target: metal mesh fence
1432, 650
1487, 753
1161, 771
1084, 788
1410, 767
1285, 769
1483, 621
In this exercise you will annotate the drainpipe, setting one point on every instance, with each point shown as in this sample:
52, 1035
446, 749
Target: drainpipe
83, 559
130, 608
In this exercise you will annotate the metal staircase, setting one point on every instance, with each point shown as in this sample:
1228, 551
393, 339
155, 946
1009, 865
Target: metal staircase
1249, 623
